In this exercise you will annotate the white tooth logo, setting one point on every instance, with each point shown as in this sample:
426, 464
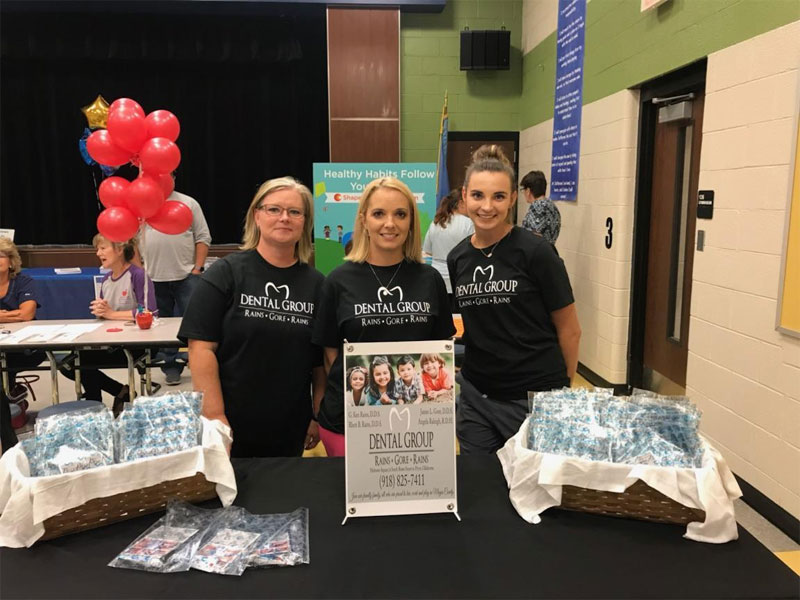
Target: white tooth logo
399, 415
482, 271
277, 289
384, 291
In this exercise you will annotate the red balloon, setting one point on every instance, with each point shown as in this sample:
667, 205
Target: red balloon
112, 191
167, 183
103, 150
127, 128
144, 197
159, 156
117, 224
174, 217
125, 103
162, 123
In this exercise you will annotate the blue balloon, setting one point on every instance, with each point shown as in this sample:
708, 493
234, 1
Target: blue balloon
82, 147
346, 238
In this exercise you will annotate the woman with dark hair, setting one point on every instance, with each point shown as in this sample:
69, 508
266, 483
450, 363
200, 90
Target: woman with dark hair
124, 288
513, 292
542, 217
450, 226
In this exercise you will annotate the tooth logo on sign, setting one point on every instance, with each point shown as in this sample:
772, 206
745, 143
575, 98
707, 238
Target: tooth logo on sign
400, 416
384, 291
482, 271
277, 290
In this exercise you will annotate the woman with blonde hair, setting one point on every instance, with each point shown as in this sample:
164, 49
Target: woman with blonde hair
383, 292
124, 288
513, 292
249, 324
17, 304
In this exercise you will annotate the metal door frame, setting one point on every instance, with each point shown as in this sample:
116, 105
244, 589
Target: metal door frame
682, 81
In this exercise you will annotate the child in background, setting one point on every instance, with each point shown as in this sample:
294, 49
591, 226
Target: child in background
408, 385
356, 381
435, 377
381, 388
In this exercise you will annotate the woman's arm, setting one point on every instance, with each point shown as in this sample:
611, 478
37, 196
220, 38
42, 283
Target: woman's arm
102, 309
319, 379
329, 357
569, 336
205, 378
25, 312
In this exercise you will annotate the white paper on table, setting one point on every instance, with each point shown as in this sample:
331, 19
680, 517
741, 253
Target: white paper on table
535, 481
32, 333
50, 333
68, 271
26, 502
69, 333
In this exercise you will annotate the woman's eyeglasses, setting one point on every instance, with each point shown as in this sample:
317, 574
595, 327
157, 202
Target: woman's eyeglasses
273, 210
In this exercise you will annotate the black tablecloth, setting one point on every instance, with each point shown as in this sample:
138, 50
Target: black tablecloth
492, 553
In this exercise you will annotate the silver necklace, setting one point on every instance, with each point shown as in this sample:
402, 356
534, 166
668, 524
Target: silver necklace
492, 249
381, 287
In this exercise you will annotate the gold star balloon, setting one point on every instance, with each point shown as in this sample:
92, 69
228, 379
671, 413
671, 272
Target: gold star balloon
96, 113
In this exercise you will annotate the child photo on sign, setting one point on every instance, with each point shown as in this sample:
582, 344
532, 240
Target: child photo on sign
391, 379
437, 381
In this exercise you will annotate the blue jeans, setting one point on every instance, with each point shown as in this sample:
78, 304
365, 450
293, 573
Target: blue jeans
172, 298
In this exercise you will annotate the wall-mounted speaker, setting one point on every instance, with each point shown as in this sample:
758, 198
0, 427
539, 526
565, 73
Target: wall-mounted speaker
486, 49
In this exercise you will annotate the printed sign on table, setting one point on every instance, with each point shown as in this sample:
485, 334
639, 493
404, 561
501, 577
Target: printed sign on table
337, 189
400, 428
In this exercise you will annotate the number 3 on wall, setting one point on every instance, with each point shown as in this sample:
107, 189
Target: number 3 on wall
609, 235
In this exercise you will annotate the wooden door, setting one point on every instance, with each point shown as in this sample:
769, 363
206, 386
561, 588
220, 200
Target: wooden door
673, 213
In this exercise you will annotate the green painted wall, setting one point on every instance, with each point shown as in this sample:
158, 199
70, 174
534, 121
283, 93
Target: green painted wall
625, 47
478, 101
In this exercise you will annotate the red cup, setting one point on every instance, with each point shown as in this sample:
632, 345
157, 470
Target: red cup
144, 319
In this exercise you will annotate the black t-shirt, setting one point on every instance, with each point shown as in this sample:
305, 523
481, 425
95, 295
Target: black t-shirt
511, 344
356, 307
262, 317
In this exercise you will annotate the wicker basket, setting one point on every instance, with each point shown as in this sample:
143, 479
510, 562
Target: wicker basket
639, 501
127, 505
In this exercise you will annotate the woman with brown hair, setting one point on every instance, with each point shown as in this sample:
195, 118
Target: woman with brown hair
513, 292
450, 226
382, 293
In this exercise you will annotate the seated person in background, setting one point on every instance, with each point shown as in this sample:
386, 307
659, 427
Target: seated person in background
542, 217
381, 388
435, 377
123, 290
356, 382
408, 384
17, 303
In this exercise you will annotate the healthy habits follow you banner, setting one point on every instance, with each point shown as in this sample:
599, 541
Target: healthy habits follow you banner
337, 188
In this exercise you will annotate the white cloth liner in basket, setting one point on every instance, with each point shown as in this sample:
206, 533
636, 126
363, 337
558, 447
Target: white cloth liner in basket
26, 502
535, 481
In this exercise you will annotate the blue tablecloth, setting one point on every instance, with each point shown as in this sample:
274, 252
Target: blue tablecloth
64, 296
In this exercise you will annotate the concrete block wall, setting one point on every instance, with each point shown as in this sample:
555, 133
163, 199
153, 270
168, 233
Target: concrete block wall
429, 66
600, 276
743, 374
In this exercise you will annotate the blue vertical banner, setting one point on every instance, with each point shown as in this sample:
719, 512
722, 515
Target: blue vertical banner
568, 99
442, 180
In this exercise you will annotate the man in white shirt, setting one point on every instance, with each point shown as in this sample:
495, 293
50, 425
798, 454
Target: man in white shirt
174, 263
